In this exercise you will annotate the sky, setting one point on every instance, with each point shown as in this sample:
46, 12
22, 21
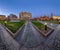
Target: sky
36, 7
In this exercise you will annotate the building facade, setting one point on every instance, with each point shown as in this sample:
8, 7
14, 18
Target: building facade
12, 17
36, 19
2, 17
56, 17
44, 18
25, 16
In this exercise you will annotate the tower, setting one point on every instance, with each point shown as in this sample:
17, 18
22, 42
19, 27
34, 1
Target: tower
51, 15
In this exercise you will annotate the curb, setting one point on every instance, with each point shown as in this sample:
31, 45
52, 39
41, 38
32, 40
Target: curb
44, 34
19, 30
11, 33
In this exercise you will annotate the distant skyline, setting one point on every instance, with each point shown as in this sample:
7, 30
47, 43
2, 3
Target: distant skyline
36, 7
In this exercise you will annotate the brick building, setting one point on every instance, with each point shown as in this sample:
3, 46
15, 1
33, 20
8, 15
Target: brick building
36, 19
44, 18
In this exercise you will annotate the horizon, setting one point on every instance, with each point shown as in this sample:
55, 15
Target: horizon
36, 7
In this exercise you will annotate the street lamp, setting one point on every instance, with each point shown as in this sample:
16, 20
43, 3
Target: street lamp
45, 26
5, 23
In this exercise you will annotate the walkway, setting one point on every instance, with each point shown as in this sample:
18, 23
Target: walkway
29, 38
6, 41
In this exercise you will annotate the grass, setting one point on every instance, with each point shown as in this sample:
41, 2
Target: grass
1, 22
41, 26
13, 26
38, 24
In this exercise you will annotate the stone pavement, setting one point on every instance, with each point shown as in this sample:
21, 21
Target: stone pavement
33, 40
29, 39
8, 43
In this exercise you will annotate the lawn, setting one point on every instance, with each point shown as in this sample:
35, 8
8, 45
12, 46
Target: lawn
13, 26
41, 27
38, 24
1, 22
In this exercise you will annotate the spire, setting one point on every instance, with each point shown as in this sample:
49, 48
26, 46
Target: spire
51, 14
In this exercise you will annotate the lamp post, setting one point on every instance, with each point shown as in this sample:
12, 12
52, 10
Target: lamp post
45, 26
5, 23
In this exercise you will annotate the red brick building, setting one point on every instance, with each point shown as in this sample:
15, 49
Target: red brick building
36, 19
44, 18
